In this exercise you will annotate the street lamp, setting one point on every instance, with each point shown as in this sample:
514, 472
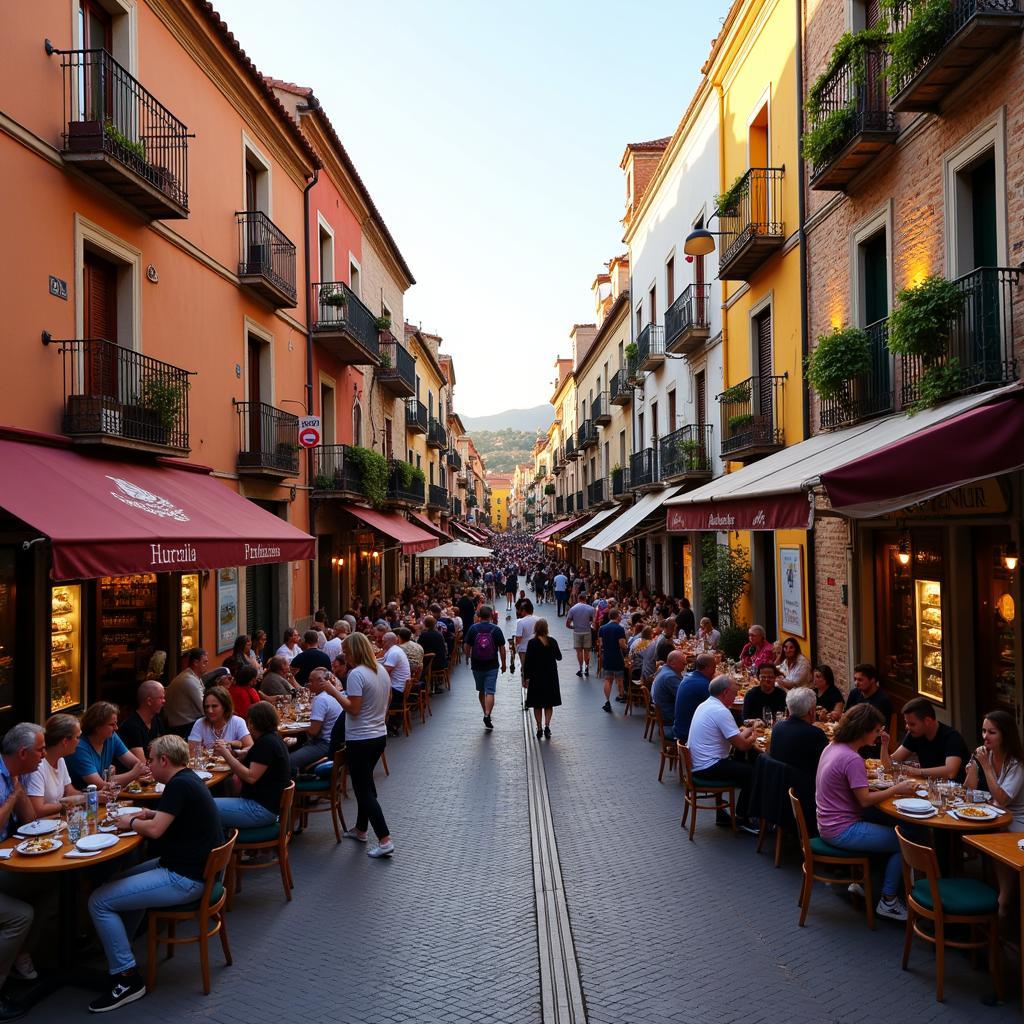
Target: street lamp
701, 242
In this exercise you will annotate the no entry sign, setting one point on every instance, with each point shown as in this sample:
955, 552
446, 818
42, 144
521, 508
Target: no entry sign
309, 431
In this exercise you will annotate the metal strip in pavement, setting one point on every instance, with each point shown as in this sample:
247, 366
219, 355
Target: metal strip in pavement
560, 988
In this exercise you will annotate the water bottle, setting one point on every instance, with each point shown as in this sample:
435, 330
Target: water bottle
92, 808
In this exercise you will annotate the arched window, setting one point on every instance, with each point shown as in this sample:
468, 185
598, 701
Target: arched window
357, 424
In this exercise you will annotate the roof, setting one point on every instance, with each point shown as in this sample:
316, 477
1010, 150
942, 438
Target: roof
611, 318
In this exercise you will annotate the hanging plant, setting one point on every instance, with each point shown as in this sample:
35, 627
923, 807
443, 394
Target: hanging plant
383, 323
923, 318
631, 350
725, 202
372, 469
418, 475
938, 382
838, 357
924, 32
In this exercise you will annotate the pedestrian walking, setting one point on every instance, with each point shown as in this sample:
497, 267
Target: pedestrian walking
581, 621
561, 585
524, 631
540, 676
484, 645
612, 640
511, 585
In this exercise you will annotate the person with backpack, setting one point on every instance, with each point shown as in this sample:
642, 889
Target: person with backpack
484, 644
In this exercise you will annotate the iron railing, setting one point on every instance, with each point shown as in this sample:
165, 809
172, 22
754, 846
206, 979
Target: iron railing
454, 460
559, 505
756, 212
643, 468
570, 450
634, 375
689, 311
586, 435
752, 414
113, 391
980, 350
107, 110
403, 484
437, 436
335, 307
685, 451
335, 470
396, 363
570, 503
600, 409
856, 96
557, 461
437, 496
457, 507
871, 393
579, 501
620, 390
268, 438
650, 344
264, 250
415, 415
597, 491
620, 481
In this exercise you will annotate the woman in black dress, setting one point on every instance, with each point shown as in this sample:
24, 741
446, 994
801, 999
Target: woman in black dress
540, 676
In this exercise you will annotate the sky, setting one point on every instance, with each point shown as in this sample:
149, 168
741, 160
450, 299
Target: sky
489, 136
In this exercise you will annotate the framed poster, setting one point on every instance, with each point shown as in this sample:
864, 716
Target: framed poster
227, 608
791, 577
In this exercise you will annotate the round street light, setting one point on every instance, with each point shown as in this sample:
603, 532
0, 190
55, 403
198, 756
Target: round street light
699, 242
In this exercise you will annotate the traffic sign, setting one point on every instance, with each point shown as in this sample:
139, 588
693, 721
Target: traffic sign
309, 431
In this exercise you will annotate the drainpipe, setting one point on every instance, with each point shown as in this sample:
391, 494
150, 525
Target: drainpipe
309, 372
722, 185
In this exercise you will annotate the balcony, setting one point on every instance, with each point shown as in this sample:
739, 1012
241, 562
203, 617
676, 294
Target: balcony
752, 418
598, 493
462, 478
415, 416
650, 347
685, 454
457, 507
570, 504
266, 259
571, 451
854, 102
620, 391
980, 349
586, 436
397, 370
686, 320
643, 470
454, 460
752, 227
870, 394
437, 436
557, 462
268, 441
437, 497
119, 397
559, 505
620, 483
579, 501
343, 325
634, 375
601, 410
335, 472
406, 486
122, 136
976, 31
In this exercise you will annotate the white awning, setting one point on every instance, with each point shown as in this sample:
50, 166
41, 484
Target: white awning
591, 523
632, 517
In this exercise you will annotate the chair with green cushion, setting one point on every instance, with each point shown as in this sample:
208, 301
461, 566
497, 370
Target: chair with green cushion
847, 866
207, 912
266, 837
308, 789
944, 902
696, 789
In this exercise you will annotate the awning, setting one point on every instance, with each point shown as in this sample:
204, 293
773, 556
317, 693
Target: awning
772, 494
429, 526
109, 518
475, 535
591, 524
544, 535
409, 535
631, 518
464, 530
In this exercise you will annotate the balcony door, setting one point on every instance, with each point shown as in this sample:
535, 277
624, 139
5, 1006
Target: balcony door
762, 395
255, 365
96, 30
100, 321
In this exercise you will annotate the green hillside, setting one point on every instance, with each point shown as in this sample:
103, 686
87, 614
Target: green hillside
503, 449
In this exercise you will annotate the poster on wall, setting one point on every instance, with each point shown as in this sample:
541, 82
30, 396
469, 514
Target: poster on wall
227, 608
792, 579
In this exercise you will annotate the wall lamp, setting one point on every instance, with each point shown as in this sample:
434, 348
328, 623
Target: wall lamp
1011, 556
701, 242
903, 551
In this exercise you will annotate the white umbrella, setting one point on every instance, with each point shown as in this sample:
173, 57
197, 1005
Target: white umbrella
456, 549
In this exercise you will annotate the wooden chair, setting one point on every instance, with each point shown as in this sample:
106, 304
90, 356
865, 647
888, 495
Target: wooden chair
440, 678
668, 749
948, 901
457, 653
696, 789
636, 694
333, 786
400, 710
423, 692
267, 837
818, 852
207, 912
649, 720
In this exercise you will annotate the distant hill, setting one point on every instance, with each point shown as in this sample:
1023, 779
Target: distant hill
503, 449
537, 418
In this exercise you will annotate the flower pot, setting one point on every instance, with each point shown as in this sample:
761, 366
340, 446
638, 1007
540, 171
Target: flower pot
85, 136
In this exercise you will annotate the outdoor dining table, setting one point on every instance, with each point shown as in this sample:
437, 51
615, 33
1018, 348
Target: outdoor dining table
946, 821
151, 792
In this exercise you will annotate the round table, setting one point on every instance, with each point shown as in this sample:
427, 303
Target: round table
944, 821
151, 794
57, 861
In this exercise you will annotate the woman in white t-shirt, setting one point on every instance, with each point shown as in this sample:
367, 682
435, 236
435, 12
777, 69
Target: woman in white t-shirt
219, 722
51, 781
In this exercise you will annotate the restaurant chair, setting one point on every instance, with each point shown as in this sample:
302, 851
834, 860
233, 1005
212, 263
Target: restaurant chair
267, 837
668, 749
817, 852
457, 652
399, 712
424, 690
649, 720
333, 785
636, 694
944, 902
769, 800
207, 912
697, 789
440, 678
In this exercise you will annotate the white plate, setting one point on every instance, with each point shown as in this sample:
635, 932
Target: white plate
930, 813
22, 848
913, 806
923, 793
297, 725
990, 813
103, 841
205, 775
127, 812
39, 827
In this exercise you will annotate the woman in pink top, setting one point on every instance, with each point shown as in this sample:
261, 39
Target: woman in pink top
842, 795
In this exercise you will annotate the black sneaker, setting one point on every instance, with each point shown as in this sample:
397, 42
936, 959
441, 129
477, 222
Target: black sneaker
487, 722
547, 732
620, 699
607, 707
580, 673
586, 671
125, 989
540, 732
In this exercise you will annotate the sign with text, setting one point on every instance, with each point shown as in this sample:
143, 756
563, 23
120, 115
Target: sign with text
984, 498
771, 512
309, 431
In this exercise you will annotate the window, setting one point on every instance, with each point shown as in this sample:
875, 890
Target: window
357, 424
353, 276
700, 397
622, 447
640, 429
639, 318
761, 324
758, 142
671, 411
670, 281
654, 423
108, 290
388, 451
873, 263
326, 248
652, 305
257, 180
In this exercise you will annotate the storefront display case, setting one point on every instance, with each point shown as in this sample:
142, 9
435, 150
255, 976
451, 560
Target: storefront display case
127, 629
189, 611
928, 626
66, 645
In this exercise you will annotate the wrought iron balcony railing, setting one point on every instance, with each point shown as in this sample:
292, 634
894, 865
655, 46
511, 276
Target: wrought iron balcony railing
437, 436
397, 369
570, 503
454, 460
597, 492
405, 485
601, 410
620, 482
341, 321
643, 468
586, 435
335, 471
457, 507
620, 390
870, 394
415, 416
570, 449
686, 453
559, 505
650, 347
752, 225
752, 421
268, 440
686, 320
437, 496
266, 258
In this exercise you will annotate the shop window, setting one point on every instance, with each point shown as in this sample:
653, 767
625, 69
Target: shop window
996, 624
129, 615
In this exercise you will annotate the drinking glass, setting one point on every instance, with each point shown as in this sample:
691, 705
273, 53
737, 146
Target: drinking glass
194, 746
76, 821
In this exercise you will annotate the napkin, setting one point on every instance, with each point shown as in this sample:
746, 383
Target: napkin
4, 854
82, 853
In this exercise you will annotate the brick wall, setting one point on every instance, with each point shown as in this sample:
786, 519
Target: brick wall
834, 621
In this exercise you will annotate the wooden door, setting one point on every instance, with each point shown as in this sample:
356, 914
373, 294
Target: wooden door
255, 357
100, 293
763, 339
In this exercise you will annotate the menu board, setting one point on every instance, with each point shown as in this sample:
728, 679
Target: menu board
189, 611
928, 605
65, 647
227, 608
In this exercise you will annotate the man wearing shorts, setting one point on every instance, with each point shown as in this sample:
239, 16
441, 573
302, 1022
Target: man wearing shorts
613, 666
581, 621
484, 644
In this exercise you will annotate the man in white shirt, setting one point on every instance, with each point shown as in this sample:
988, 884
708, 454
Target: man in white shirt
396, 663
561, 584
333, 646
323, 714
185, 691
290, 648
524, 632
713, 736
581, 621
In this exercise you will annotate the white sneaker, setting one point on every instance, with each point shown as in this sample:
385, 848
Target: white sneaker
381, 850
855, 889
894, 908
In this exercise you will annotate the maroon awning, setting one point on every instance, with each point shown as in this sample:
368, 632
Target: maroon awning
982, 442
409, 535
110, 518
430, 527
790, 511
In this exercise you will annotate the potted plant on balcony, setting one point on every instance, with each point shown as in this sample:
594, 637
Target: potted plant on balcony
838, 359
549, 488
727, 201
921, 36
737, 424
161, 400
372, 470
691, 453
383, 323
385, 359
737, 394
631, 351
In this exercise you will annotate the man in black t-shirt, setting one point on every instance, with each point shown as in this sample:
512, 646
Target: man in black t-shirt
868, 690
686, 620
940, 750
766, 696
466, 610
186, 826
310, 658
433, 642
144, 724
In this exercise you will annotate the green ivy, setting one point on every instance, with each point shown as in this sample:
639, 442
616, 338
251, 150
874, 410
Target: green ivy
118, 137
938, 382
404, 473
829, 135
921, 322
372, 469
549, 488
737, 393
727, 200
837, 358
921, 36
631, 350
850, 47
418, 475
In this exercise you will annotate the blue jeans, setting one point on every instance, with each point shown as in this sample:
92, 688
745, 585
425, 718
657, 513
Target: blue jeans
239, 812
118, 907
863, 836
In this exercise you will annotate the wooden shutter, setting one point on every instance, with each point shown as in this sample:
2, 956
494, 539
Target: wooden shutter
701, 399
872, 13
763, 327
100, 288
